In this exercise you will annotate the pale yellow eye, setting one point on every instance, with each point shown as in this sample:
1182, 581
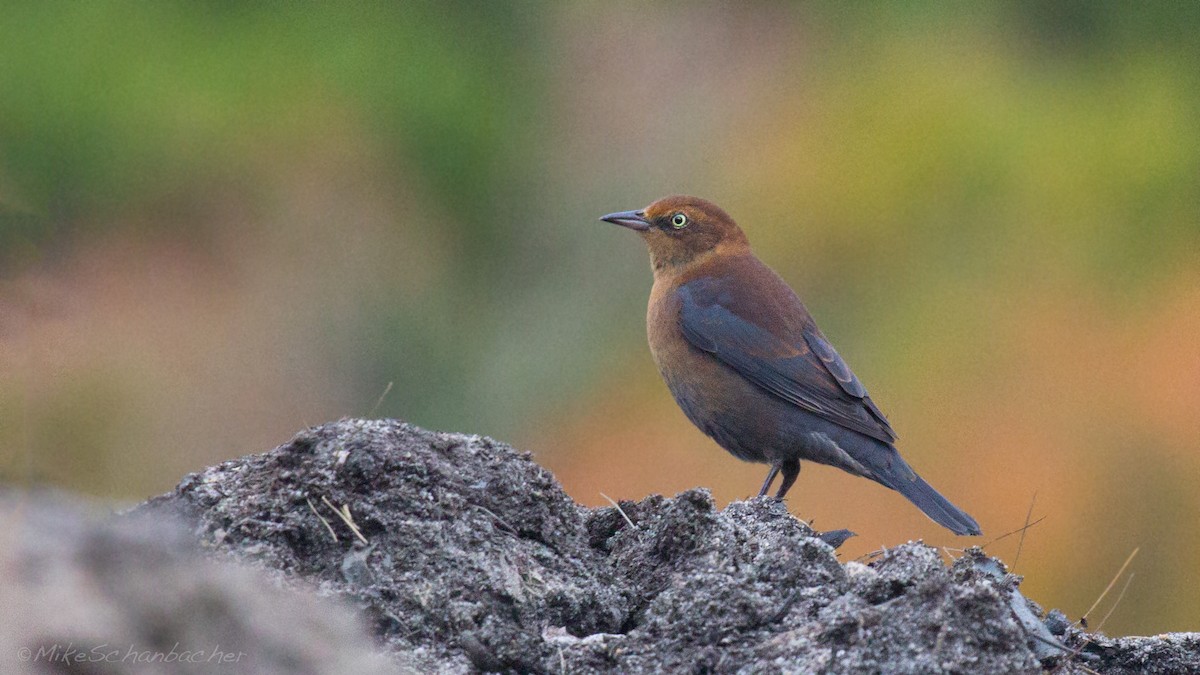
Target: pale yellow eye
679, 221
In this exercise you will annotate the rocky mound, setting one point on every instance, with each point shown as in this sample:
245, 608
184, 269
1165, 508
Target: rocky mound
375, 546
467, 556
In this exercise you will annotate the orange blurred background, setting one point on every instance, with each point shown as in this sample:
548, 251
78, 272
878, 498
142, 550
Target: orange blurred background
221, 224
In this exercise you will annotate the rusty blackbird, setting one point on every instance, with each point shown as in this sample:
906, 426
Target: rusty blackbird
749, 367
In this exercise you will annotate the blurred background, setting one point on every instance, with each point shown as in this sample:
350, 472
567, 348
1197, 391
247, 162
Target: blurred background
221, 223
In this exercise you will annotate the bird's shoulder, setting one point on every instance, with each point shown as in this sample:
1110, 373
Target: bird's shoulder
749, 290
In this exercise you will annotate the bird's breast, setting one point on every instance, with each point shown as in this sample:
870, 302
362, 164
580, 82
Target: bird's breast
676, 359
713, 396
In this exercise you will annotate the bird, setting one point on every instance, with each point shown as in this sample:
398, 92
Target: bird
748, 366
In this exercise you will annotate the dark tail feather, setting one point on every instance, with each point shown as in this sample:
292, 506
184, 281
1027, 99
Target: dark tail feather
933, 504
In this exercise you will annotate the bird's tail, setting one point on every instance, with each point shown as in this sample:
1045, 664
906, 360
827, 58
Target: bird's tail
932, 502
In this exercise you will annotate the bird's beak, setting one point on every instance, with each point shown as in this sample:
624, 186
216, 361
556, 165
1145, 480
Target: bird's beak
634, 220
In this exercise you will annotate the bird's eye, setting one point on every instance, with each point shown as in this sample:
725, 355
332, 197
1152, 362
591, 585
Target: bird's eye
679, 221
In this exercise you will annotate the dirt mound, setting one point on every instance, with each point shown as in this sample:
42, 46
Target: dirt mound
467, 556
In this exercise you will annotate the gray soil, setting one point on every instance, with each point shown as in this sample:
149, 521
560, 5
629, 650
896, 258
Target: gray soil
463, 555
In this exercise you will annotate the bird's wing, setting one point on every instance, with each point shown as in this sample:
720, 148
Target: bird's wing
804, 370
845, 378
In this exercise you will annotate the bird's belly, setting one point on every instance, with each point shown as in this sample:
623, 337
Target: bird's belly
749, 422
725, 406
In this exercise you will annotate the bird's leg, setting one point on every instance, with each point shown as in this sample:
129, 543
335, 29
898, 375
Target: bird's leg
770, 477
791, 469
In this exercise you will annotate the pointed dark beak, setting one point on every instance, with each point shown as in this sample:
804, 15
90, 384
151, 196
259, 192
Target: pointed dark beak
634, 220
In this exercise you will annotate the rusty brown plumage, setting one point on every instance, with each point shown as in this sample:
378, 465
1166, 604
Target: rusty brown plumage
747, 364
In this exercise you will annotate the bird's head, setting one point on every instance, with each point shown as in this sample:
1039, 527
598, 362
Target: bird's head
678, 230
